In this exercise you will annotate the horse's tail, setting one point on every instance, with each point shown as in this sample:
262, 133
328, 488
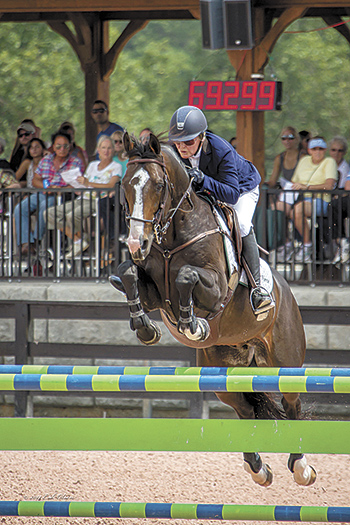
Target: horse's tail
265, 407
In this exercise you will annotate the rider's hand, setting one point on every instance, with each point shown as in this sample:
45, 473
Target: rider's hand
198, 178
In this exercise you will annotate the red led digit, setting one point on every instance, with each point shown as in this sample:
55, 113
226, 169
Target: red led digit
214, 91
251, 95
196, 94
267, 91
231, 92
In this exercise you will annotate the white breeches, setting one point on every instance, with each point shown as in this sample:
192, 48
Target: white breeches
245, 208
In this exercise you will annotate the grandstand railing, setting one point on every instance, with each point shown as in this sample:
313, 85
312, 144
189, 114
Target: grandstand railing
330, 234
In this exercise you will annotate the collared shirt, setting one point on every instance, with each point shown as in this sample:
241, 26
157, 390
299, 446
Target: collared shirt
195, 158
47, 171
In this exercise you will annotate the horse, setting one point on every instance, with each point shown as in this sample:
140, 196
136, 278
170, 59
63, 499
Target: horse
178, 267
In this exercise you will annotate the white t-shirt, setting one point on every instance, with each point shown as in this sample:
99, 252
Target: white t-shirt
93, 174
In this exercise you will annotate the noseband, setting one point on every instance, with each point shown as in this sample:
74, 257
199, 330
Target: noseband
159, 231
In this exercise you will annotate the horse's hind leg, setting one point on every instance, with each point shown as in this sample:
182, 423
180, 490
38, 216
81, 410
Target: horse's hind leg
303, 473
260, 472
147, 331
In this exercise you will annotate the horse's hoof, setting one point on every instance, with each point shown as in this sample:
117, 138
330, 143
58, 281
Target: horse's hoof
303, 473
201, 333
149, 335
263, 478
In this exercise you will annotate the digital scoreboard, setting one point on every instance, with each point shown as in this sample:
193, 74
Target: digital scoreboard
235, 95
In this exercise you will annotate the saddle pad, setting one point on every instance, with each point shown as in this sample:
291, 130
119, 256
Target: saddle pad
230, 252
266, 280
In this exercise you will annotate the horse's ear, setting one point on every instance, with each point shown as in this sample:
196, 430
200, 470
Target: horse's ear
154, 144
128, 145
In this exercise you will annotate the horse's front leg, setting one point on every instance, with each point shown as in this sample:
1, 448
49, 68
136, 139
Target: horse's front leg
147, 330
190, 282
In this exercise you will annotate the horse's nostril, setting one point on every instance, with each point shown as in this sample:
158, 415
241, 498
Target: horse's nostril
144, 244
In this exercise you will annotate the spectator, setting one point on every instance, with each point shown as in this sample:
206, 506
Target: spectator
8, 179
100, 115
313, 172
340, 203
25, 173
304, 137
144, 135
76, 150
4, 164
47, 175
103, 173
285, 163
119, 157
25, 132
283, 168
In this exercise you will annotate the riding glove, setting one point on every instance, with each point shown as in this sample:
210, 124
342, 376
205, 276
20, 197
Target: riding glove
198, 178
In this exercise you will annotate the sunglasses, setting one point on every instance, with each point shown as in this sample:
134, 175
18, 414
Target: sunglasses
337, 150
287, 137
25, 134
99, 110
118, 142
318, 149
64, 146
186, 142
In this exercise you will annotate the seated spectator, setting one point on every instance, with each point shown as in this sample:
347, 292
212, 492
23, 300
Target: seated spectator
48, 174
103, 173
119, 156
76, 150
340, 203
4, 164
304, 137
25, 132
286, 162
313, 172
24, 176
144, 135
8, 179
283, 169
25, 173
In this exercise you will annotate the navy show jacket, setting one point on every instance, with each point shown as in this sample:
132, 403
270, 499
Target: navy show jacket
227, 174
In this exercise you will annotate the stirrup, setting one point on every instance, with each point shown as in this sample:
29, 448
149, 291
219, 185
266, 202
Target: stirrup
264, 308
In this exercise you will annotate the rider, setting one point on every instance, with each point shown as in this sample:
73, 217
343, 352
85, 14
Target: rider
218, 170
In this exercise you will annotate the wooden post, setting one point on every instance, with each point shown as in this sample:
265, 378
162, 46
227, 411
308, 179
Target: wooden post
250, 124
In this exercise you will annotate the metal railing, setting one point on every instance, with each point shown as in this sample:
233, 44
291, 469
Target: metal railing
38, 229
282, 231
50, 219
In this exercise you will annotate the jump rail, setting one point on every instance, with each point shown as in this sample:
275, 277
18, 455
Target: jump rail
174, 511
172, 370
177, 435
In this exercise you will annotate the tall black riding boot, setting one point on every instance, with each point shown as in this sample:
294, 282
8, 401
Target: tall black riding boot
261, 300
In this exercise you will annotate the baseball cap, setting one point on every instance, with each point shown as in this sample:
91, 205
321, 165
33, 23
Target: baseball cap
26, 127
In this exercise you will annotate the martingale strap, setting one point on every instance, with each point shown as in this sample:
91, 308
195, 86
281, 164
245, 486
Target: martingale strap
168, 255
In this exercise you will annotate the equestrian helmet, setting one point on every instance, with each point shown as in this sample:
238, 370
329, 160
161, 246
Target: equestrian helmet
187, 123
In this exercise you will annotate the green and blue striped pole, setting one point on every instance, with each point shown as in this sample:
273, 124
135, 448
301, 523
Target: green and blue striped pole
170, 370
199, 511
173, 383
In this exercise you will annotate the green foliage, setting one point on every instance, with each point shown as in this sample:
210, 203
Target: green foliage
41, 79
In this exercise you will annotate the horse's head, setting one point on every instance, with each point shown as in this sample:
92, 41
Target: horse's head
145, 186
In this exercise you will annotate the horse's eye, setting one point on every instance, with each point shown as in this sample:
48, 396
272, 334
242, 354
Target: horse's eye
159, 187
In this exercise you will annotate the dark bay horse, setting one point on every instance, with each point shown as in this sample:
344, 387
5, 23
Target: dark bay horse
178, 266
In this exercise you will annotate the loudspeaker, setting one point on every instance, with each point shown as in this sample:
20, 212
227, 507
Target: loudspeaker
212, 24
238, 28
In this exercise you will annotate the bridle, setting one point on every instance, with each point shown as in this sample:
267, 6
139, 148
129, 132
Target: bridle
159, 231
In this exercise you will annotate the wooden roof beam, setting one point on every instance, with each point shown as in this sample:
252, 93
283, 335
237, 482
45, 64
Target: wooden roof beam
342, 29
